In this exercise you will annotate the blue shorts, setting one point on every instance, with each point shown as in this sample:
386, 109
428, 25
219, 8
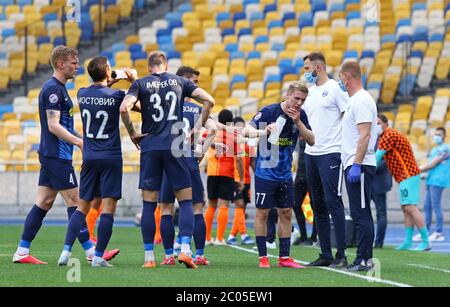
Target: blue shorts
167, 195
101, 178
273, 194
57, 174
410, 191
155, 162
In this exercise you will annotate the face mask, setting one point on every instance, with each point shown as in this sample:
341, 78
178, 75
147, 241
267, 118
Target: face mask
379, 130
311, 77
342, 85
438, 139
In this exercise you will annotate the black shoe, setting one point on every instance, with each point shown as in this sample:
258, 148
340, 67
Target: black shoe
358, 268
322, 262
378, 245
339, 263
297, 241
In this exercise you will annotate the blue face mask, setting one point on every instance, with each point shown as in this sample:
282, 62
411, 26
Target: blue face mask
310, 78
342, 85
438, 139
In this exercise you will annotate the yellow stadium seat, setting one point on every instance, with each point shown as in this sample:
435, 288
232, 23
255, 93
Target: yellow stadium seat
260, 31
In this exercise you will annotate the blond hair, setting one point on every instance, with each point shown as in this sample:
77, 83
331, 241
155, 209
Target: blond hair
62, 53
157, 58
352, 68
298, 86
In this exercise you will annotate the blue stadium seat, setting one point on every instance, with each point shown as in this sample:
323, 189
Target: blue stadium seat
247, 2
223, 16
50, 17
420, 34
272, 78
43, 40
305, 20
256, 16
118, 47
406, 85
2, 16
8, 32
275, 24
173, 16
239, 16
288, 71
245, 31
236, 79
164, 39
299, 63
5, 108
59, 40
374, 85
227, 31
163, 32
138, 55
403, 22
232, 47
253, 55
175, 24
285, 63
3, 55
367, 54
135, 48
404, 38
387, 38
261, 39
269, 8
24, 2
353, 15
318, 5
167, 48
337, 7
437, 38
107, 53
107, 3
185, 7
288, 16
174, 55
71, 85
278, 47
416, 54
237, 55
419, 6
6, 2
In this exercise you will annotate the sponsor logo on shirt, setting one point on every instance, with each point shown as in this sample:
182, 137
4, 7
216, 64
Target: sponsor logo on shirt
53, 98
325, 94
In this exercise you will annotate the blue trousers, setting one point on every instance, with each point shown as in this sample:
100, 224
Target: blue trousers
323, 173
433, 202
380, 204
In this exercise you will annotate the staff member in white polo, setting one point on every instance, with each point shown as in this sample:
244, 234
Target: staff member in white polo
324, 106
359, 136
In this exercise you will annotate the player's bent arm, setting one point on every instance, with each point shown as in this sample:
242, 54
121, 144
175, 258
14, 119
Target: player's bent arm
206, 100
252, 132
305, 133
53, 117
211, 127
363, 142
125, 113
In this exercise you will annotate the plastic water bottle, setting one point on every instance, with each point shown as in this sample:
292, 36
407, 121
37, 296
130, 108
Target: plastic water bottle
274, 136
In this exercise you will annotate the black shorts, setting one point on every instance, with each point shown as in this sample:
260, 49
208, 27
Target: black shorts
101, 178
57, 174
244, 194
220, 187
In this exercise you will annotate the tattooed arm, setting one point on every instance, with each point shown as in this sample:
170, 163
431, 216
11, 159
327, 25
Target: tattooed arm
53, 117
125, 112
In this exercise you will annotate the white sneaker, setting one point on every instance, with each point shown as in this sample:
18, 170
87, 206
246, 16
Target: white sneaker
176, 249
64, 258
100, 262
294, 235
272, 245
436, 237
417, 238
220, 243
209, 242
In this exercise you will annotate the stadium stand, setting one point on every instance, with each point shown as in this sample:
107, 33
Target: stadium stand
248, 52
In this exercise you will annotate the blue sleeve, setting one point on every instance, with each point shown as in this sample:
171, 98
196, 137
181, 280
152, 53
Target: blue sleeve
304, 119
260, 117
53, 99
134, 89
380, 154
188, 87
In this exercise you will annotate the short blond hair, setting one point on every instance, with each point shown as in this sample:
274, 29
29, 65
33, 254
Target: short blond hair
298, 86
352, 68
157, 58
62, 53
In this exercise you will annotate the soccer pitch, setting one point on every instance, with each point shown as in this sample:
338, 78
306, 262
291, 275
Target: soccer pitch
230, 266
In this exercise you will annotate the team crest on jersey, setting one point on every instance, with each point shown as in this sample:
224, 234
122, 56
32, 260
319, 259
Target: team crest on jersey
258, 116
325, 94
53, 98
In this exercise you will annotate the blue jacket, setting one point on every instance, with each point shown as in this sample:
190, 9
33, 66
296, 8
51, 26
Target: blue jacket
382, 181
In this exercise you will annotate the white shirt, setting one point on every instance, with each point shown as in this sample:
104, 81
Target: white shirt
324, 107
361, 109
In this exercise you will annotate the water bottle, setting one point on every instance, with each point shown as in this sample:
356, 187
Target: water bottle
274, 136
120, 74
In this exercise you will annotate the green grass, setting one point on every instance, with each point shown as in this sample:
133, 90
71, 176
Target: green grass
229, 267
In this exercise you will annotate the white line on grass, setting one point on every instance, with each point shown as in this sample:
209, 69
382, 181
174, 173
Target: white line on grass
367, 278
428, 268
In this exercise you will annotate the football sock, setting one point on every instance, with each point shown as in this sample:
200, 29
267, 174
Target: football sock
222, 221
91, 220
77, 219
261, 243
32, 224
285, 247
186, 245
167, 233
105, 228
199, 233
424, 234
148, 226
186, 219
209, 218
83, 235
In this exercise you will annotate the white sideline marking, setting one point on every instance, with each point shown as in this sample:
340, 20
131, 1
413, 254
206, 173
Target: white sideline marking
367, 278
428, 268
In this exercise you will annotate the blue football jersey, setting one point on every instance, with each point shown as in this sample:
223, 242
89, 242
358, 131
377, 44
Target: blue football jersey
277, 166
54, 96
162, 98
100, 112
191, 114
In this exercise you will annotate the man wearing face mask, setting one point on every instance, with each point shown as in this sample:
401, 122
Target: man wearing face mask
396, 150
438, 179
358, 157
382, 183
325, 106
